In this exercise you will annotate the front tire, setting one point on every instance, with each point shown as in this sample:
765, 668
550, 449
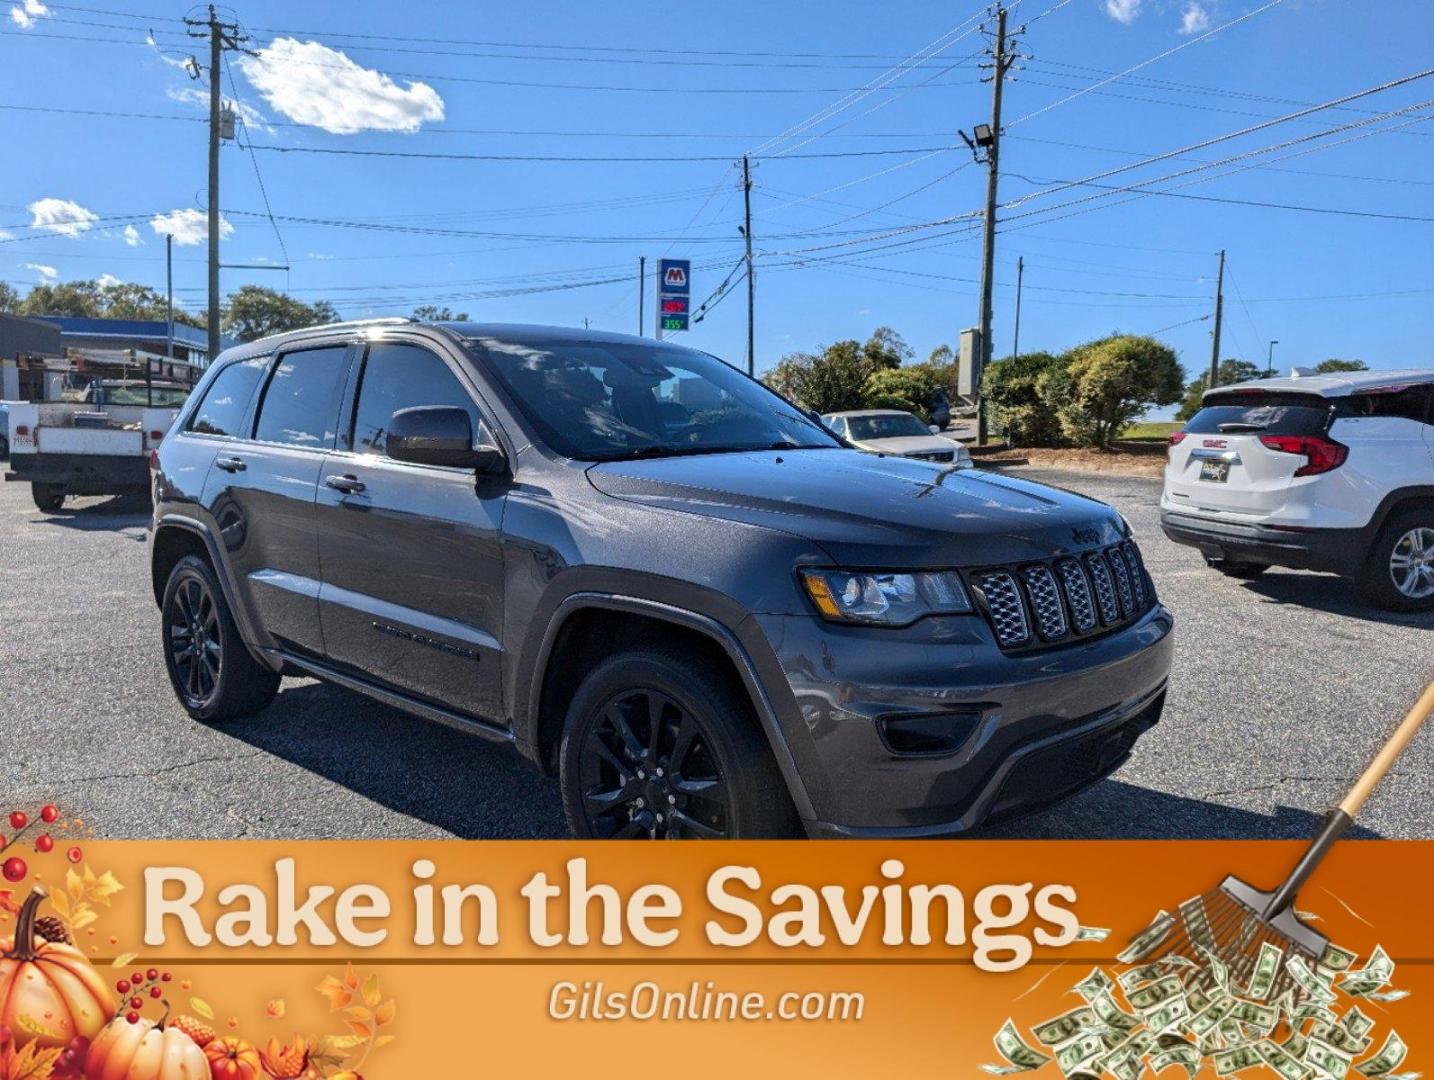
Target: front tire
48, 497
212, 672
658, 745
1399, 575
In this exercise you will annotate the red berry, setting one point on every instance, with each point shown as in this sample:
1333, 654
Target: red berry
44, 844
155, 992
15, 869
137, 978
74, 854
49, 813
122, 986
152, 974
166, 977
18, 819
136, 1003
132, 1017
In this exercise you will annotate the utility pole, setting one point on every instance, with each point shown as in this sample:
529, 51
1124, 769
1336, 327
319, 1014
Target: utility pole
221, 36
1214, 379
641, 294
1270, 361
169, 296
751, 279
988, 138
1020, 275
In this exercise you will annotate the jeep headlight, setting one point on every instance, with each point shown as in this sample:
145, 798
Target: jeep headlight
885, 598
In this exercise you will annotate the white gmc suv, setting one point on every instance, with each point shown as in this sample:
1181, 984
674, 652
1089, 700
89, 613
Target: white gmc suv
1317, 472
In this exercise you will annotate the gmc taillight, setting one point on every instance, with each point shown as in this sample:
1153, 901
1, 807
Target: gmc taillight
1320, 454
1176, 438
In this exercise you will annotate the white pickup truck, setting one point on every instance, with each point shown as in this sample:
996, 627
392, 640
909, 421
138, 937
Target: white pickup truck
98, 446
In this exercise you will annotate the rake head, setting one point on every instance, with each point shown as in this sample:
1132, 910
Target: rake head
1231, 923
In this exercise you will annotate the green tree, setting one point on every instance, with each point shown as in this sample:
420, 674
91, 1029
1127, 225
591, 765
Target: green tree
9, 298
912, 388
829, 381
1015, 406
941, 356
74, 299
1231, 371
434, 313
1333, 365
886, 349
253, 311
1109, 382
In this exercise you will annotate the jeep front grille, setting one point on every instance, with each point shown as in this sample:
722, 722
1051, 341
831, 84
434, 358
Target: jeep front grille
1047, 603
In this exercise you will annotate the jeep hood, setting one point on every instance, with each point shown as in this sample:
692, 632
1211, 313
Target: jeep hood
865, 510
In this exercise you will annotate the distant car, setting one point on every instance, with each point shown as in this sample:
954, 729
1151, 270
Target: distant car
900, 434
4, 430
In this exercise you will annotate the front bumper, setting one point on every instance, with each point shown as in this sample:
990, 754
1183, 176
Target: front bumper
1041, 725
1332, 550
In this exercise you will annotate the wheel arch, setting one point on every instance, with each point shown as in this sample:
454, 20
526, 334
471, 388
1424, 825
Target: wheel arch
568, 635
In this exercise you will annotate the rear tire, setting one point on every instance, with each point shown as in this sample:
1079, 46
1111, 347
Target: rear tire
48, 497
213, 674
1242, 571
707, 774
1399, 575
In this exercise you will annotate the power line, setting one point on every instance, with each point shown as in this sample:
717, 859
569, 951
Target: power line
579, 159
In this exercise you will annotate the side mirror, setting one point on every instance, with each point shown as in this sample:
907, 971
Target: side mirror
439, 435
934, 429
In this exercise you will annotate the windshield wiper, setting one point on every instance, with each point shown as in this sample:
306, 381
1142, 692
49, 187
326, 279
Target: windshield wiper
1236, 427
644, 452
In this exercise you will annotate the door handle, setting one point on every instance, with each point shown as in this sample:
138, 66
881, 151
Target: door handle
231, 464
349, 485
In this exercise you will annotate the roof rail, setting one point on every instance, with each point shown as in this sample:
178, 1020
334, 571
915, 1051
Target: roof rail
387, 320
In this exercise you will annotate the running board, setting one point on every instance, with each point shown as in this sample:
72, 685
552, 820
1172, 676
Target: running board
400, 700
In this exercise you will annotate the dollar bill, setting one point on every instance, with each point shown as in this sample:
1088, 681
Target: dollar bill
1020, 1056
1313, 1010
1236, 1059
1208, 1019
1092, 933
1144, 973
1391, 1055
1335, 958
1067, 1026
1296, 1044
1149, 939
1197, 999
1080, 1052
1355, 1022
1282, 1061
1197, 923
1153, 995
1267, 966
1168, 1015
1112, 1015
1329, 1060
1375, 974
1386, 996
1340, 1038
1217, 969
1308, 981
1094, 984
1185, 1055
1257, 1015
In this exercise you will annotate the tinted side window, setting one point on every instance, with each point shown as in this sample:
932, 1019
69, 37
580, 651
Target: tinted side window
403, 377
1409, 403
226, 402
300, 406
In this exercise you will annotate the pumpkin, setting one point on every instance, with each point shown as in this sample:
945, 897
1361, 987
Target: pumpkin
49, 994
144, 1051
232, 1059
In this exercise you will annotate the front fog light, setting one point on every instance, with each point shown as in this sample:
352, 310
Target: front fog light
883, 598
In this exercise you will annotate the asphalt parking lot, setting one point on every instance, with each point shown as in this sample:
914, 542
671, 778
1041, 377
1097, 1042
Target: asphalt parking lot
1281, 689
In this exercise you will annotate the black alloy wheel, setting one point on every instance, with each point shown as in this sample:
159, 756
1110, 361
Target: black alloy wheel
648, 770
196, 648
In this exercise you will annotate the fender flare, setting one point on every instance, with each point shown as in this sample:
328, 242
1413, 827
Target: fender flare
703, 624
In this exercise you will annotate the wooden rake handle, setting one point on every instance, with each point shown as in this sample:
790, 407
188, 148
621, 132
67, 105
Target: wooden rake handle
1388, 754
1342, 816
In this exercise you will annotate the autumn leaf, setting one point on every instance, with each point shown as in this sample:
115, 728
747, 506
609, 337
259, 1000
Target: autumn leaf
84, 915
384, 1014
276, 1008
61, 903
103, 888
371, 993
363, 1031
74, 885
383, 1040
351, 979
341, 1042
202, 1007
338, 994
359, 1013
33, 1063
123, 960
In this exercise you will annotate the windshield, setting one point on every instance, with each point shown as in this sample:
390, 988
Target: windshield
605, 400
1264, 411
165, 397
892, 426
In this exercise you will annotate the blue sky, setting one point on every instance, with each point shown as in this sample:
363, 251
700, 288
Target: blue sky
844, 241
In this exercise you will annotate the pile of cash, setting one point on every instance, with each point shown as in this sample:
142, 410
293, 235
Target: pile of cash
1300, 1019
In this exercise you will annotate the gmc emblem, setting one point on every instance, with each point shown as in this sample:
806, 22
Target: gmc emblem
1216, 444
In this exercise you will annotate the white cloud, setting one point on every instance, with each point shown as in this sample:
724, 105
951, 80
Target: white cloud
25, 13
49, 273
320, 256
132, 237
188, 227
1123, 11
1195, 18
313, 84
60, 216
192, 95
106, 281
6, 235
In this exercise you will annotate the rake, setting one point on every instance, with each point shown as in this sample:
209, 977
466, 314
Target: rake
1235, 920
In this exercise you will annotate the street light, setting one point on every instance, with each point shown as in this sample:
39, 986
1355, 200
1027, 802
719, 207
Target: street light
1270, 360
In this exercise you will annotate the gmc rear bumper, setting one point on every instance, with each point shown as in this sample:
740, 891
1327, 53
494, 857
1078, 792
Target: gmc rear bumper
1335, 551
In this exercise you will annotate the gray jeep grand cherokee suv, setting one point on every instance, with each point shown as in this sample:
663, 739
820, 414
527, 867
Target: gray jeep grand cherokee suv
652, 576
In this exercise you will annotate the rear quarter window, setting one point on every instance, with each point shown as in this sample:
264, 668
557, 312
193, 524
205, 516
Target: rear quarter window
226, 402
1262, 411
